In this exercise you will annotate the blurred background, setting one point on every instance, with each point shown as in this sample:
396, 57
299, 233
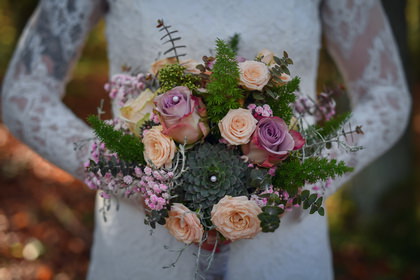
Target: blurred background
46, 216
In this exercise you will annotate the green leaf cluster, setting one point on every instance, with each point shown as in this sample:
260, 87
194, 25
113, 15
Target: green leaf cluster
173, 75
269, 223
270, 217
310, 201
281, 97
293, 173
156, 217
128, 147
223, 91
282, 64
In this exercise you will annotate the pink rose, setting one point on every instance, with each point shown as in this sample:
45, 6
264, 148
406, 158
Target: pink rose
182, 115
271, 142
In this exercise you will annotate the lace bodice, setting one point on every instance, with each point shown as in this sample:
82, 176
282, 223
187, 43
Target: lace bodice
358, 37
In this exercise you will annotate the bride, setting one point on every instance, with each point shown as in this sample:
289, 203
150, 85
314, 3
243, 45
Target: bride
358, 37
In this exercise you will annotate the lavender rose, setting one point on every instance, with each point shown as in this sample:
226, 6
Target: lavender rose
271, 142
181, 115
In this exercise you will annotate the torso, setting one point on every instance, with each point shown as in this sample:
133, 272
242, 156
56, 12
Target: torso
123, 247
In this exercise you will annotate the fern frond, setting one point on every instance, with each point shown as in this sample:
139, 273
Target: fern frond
128, 147
223, 91
280, 99
293, 173
333, 125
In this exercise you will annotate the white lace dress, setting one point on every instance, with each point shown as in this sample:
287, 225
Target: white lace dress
358, 37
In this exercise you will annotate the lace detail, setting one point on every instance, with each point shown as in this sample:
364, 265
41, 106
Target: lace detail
370, 63
348, 20
36, 79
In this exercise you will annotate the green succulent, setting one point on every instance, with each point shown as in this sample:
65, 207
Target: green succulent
213, 172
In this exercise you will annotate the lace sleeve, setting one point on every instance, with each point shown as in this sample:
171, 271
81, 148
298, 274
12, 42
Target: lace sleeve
360, 40
36, 78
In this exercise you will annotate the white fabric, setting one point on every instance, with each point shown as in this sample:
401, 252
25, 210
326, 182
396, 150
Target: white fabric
358, 37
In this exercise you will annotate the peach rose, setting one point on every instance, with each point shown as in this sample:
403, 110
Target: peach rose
236, 217
136, 111
237, 126
158, 148
184, 225
266, 56
159, 64
254, 75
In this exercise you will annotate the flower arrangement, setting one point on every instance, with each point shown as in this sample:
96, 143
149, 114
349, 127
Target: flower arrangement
219, 146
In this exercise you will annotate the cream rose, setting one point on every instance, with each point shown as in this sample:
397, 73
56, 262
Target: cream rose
237, 126
266, 56
236, 217
184, 225
254, 75
158, 148
136, 111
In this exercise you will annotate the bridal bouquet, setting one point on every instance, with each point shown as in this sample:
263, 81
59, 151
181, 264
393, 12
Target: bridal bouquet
221, 146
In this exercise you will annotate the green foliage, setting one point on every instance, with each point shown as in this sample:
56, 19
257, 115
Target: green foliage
310, 200
173, 75
259, 179
128, 147
281, 66
270, 217
223, 91
268, 222
280, 97
156, 217
333, 125
233, 42
293, 173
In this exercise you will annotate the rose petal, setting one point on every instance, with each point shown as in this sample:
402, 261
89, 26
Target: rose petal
298, 138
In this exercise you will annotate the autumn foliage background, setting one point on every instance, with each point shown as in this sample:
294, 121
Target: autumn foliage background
46, 216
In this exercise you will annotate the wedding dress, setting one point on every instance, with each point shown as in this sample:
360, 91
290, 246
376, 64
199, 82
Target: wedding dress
358, 37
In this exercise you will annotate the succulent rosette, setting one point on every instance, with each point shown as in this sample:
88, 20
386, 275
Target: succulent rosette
271, 142
182, 115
